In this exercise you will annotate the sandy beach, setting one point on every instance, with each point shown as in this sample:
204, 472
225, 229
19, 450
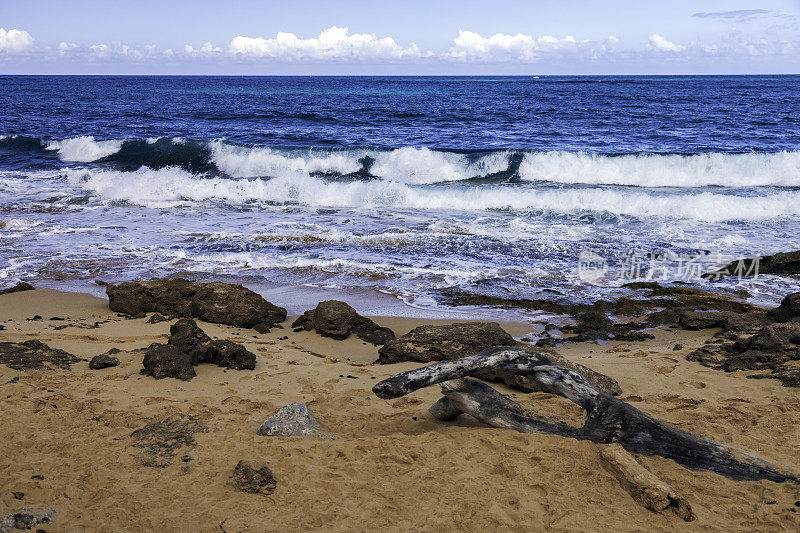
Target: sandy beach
66, 444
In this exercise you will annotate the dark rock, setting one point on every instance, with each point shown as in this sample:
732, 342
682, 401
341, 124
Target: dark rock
167, 361
677, 348
222, 303
338, 320
34, 355
19, 287
642, 285
632, 336
438, 343
253, 477
293, 420
786, 263
697, 320
187, 337
25, 520
788, 310
774, 348
103, 361
261, 328
156, 318
160, 441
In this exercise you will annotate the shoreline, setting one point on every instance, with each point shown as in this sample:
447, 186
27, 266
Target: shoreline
388, 464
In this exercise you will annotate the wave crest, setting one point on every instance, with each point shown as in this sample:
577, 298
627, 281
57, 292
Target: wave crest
173, 186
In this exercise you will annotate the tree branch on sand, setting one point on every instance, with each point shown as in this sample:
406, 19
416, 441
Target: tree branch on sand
608, 419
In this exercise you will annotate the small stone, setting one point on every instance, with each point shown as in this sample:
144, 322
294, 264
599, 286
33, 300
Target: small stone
291, 420
253, 477
101, 361
261, 328
677, 347
17, 494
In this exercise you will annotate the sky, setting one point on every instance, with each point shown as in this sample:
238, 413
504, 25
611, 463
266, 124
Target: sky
399, 38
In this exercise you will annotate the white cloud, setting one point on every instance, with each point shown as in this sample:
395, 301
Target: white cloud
472, 46
661, 44
14, 40
206, 50
332, 43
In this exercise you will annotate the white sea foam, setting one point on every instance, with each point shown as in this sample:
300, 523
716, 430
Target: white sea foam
173, 186
243, 162
84, 149
423, 165
729, 170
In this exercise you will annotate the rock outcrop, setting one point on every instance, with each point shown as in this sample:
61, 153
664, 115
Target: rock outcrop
221, 303
788, 310
188, 346
293, 420
338, 320
19, 287
443, 342
767, 342
786, 263
34, 355
253, 477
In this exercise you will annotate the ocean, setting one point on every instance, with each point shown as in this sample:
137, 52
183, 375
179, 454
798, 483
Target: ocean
417, 188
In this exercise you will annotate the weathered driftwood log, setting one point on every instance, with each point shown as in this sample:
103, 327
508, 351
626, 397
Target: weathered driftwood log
645, 488
608, 419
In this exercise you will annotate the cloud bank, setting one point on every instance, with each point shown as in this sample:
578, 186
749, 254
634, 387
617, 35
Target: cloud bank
332, 43
337, 45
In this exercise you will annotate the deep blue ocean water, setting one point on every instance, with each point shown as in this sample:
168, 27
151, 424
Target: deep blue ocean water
413, 186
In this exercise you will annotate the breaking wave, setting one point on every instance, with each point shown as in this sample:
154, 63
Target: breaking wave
421, 165
174, 186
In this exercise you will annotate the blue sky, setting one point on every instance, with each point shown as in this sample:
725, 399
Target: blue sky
409, 37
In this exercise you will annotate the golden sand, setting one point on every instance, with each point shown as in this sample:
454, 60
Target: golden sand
389, 465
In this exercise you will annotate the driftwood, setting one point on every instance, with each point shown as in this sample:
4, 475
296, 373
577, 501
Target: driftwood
608, 419
645, 488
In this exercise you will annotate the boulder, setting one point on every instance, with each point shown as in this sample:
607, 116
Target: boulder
167, 361
253, 477
187, 337
103, 361
338, 320
788, 310
443, 342
222, 303
19, 287
293, 420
